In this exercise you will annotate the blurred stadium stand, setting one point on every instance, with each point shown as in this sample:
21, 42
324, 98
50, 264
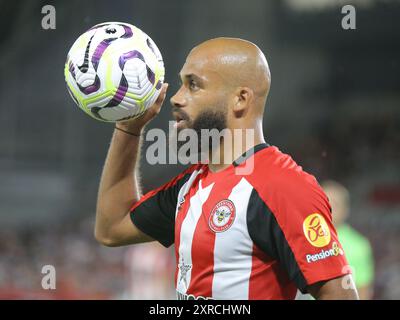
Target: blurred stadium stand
334, 106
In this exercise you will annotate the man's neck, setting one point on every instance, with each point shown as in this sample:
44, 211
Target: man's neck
230, 150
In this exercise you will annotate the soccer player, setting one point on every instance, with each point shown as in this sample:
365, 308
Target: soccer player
238, 235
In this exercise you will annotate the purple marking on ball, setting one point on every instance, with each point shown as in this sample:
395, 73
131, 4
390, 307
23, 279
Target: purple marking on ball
100, 50
92, 88
120, 94
158, 85
128, 32
150, 75
134, 54
122, 89
71, 69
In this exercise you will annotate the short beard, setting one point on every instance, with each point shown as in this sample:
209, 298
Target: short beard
214, 121
210, 119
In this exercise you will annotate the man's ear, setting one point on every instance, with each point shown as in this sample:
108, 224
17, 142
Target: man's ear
242, 101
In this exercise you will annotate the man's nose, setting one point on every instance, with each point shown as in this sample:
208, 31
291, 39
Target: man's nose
178, 100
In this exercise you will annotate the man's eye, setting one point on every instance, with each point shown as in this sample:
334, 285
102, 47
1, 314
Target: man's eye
192, 85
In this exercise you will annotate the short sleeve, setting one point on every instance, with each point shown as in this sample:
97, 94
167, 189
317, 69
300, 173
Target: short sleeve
290, 220
154, 213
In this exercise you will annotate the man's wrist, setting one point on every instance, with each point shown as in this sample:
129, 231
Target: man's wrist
125, 129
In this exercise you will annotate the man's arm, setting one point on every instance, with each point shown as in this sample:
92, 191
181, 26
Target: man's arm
341, 288
365, 292
119, 187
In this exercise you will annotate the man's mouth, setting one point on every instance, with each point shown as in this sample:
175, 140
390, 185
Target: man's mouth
179, 124
180, 121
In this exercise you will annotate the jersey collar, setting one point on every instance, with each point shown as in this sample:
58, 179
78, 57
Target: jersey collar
249, 153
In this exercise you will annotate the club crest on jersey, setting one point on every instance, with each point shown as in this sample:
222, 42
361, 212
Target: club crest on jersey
181, 201
222, 216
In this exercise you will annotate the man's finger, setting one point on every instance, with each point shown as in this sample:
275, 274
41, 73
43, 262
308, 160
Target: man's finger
163, 93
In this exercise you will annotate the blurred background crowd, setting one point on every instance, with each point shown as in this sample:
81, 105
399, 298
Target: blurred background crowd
334, 105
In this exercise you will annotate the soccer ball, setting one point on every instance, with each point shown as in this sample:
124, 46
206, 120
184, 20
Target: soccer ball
114, 71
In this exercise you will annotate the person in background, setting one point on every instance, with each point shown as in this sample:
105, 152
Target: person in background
357, 247
149, 272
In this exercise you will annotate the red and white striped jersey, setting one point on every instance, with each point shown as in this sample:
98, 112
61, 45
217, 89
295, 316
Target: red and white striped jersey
244, 236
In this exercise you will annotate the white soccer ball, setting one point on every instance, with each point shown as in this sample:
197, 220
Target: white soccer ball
114, 71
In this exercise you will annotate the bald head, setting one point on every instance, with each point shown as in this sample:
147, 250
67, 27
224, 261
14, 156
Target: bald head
224, 85
238, 62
